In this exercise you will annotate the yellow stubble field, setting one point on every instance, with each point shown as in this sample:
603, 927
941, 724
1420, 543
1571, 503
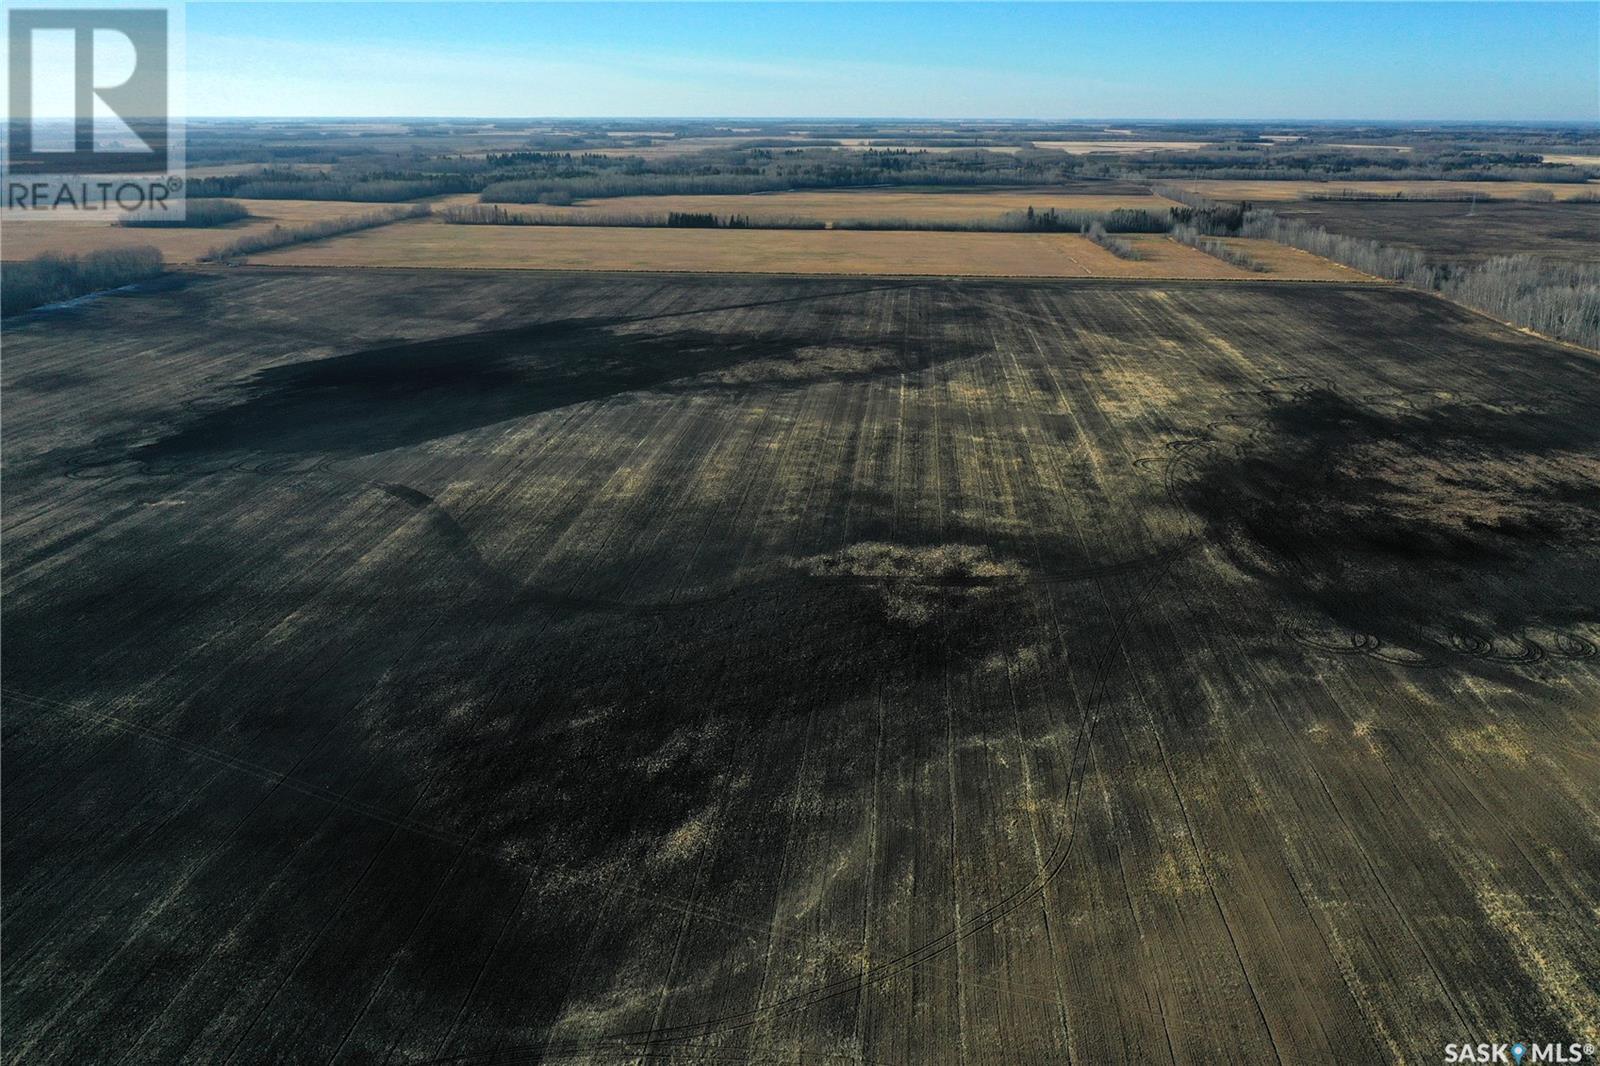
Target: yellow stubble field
430, 244
26, 239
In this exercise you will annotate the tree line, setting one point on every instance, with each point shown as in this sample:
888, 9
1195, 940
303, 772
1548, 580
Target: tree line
1050, 220
200, 214
553, 177
1194, 238
1558, 299
1115, 245
49, 278
496, 215
283, 236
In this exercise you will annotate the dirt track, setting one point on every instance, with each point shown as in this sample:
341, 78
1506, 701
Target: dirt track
537, 668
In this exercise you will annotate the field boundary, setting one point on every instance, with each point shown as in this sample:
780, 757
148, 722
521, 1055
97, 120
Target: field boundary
209, 269
1526, 330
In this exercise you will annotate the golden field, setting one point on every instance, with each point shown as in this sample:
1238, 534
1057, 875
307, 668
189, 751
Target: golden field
430, 244
26, 239
1283, 261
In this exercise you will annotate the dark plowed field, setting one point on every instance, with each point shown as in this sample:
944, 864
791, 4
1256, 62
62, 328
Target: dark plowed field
1462, 232
421, 668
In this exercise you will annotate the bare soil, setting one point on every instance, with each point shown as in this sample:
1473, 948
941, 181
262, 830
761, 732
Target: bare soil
486, 668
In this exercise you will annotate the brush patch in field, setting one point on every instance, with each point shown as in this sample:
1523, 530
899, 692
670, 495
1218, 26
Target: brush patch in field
919, 585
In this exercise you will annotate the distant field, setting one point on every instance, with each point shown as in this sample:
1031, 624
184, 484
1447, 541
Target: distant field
24, 240
1118, 146
670, 146
471, 669
1374, 147
1574, 160
684, 145
431, 243
838, 205
437, 245
1462, 232
1296, 190
223, 170
946, 149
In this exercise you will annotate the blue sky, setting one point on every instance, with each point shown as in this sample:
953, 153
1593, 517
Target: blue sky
1449, 61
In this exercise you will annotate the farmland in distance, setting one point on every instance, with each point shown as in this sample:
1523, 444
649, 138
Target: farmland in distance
428, 243
1455, 231
916, 204
511, 668
1271, 192
26, 239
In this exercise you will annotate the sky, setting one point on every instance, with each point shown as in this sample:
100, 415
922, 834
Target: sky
1379, 61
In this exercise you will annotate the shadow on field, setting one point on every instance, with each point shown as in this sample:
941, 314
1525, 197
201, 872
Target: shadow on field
649, 747
397, 395
1435, 526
